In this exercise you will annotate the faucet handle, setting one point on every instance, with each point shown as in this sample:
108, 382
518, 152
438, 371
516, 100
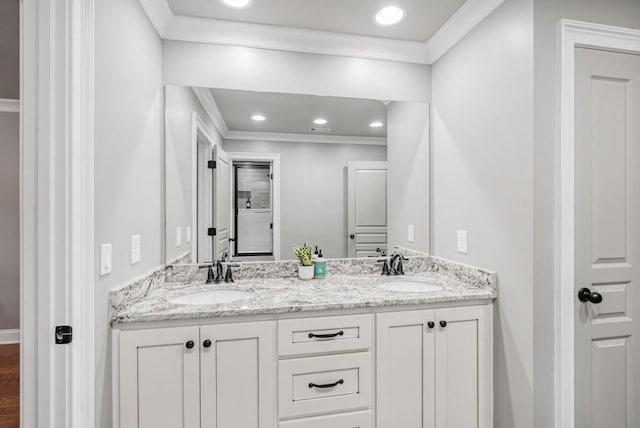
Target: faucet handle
210, 275
385, 267
228, 277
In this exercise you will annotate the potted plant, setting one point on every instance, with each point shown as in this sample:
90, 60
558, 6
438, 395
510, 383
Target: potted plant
304, 254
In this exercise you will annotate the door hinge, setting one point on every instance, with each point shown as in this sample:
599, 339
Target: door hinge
64, 334
271, 226
211, 231
271, 176
211, 164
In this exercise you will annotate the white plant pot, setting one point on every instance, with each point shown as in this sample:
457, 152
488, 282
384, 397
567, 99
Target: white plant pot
305, 272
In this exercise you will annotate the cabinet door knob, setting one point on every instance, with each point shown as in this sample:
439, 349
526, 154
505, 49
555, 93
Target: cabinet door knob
206, 343
190, 344
431, 324
443, 324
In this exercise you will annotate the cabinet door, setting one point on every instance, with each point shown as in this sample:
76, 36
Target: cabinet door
406, 370
463, 367
160, 378
237, 375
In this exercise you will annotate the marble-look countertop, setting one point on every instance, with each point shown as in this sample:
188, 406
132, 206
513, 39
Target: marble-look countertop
283, 295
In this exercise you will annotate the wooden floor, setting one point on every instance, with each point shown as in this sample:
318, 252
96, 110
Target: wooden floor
9, 386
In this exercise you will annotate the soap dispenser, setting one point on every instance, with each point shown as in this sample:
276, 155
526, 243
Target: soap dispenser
319, 267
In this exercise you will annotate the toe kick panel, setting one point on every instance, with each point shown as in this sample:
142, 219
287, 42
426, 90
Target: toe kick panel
317, 385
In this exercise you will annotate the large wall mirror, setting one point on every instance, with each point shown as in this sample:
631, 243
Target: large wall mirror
251, 174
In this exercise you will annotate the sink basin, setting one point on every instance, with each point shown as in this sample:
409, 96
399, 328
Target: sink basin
213, 297
410, 287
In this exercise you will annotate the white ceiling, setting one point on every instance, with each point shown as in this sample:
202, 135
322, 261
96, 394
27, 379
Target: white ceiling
294, 114
423, 17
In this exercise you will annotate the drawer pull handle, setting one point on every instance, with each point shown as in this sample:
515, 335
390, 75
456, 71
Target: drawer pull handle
326, 385
326, 336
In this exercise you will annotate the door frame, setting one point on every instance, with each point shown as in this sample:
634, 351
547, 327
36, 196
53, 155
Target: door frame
198, 129
569, 35
57, 273
274, 158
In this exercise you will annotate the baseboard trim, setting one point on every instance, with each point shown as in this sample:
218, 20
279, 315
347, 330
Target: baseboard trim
9, 336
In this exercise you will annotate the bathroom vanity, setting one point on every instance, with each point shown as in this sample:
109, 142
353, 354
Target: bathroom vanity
360, 350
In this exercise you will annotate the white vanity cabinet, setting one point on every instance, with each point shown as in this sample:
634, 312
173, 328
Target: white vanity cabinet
434, 368
212, 376
384, 368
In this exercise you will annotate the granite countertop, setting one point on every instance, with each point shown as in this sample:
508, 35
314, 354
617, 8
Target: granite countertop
283, 295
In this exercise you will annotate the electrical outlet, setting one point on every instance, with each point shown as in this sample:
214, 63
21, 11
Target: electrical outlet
188, 234
135, 249
105, 259
411, 233
178, 236
463, 246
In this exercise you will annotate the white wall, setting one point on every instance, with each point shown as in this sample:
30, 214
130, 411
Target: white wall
129, 151
180, 103
408, 175
9, 167
482, 182
313, 190
9, 221
625, 13
232, 67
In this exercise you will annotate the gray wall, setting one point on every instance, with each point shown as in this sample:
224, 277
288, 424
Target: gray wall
313, 190
408, 175
232, 67
129, 130
482, 182
180, 103
9, 221
10, 49
9, 167
625, 13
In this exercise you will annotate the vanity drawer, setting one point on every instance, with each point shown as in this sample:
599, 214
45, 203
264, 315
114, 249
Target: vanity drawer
316, 385
306, 336
343, 420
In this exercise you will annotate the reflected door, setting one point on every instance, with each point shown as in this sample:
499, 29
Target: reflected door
222, 206
607, 240
203, 244
367, 208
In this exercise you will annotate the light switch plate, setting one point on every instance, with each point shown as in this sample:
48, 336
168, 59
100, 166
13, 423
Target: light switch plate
178, 236
188, 233
463, 242
105, 259
411, 233
135, 249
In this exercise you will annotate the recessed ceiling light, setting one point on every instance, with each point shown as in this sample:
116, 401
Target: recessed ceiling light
389, 15
376, 124
320, 121
258, 117
237, 4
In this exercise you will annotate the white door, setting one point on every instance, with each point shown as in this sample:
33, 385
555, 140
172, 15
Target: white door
406, 369
367, 208
222, 205
160, 378
607, 240
238, 359
205, 204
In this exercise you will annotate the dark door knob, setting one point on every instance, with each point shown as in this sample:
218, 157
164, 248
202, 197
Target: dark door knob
190, 344
352, 236
206, 343
431, 324
585, 295
443, 324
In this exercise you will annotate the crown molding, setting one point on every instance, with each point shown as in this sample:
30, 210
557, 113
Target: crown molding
466, 18
209, 105
304, 138
203, 30
9, 105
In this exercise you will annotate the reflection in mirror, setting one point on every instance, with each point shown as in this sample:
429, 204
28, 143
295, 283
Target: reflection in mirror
251, 174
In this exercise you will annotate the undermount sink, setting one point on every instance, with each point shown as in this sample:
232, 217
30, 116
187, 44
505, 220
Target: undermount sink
213, 297
410, 287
